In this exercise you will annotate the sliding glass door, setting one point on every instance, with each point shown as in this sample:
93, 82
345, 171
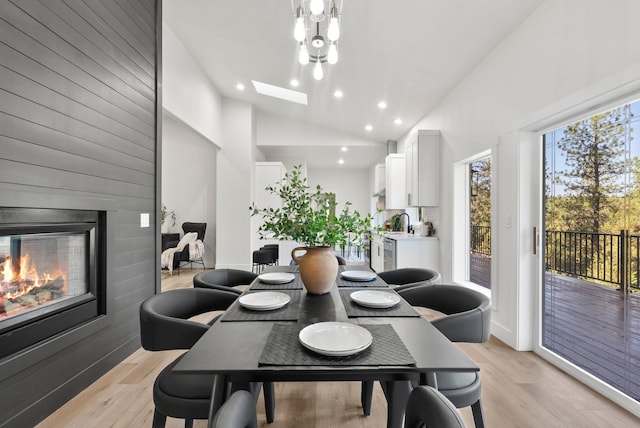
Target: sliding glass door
591, 298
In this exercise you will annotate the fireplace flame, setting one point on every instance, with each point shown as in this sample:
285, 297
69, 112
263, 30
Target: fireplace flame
25, 281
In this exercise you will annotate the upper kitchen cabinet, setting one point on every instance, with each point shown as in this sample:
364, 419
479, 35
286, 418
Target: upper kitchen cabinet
395, 182
423, 170
379, 179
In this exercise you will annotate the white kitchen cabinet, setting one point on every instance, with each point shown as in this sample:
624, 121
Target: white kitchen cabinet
377, 254
379, 178
423, 170
395, 181
418, 252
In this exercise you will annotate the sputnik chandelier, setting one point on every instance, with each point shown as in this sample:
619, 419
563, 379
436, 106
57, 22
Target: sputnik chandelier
317, 30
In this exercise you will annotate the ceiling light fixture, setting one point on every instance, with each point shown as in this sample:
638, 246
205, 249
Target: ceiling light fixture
338, 93
382, 105
368, 127
340, 161
398, 121
321, 46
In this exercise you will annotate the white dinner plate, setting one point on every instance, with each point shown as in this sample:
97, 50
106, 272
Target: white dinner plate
335, 339
375, 299
264, 301
358, 275
276, 277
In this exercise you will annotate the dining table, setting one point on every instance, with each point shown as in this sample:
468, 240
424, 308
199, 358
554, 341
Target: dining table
246, 346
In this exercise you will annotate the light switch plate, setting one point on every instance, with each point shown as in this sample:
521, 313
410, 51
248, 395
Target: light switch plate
144, 219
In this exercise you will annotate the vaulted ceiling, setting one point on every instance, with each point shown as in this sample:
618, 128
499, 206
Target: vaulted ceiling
408, 53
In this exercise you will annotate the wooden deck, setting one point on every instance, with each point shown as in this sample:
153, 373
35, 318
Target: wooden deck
595, 327
590, 325
480, 270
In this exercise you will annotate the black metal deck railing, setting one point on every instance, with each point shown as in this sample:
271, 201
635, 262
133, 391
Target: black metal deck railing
605, 257
480, 240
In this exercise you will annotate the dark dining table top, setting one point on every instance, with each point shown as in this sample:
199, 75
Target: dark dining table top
235, 348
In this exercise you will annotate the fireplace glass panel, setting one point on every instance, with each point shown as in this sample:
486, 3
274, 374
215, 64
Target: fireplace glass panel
41, 269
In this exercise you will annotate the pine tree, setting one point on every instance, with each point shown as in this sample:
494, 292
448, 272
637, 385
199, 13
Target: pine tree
593, 179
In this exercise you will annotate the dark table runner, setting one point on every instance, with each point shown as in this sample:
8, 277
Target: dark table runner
284, 349
402, 309
288, 312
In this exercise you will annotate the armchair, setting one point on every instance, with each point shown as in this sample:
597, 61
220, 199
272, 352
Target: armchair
183, 256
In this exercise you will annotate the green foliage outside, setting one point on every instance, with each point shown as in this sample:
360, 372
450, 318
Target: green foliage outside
600, 196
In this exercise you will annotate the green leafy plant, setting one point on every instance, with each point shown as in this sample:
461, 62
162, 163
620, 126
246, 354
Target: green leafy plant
309, 216
167, 215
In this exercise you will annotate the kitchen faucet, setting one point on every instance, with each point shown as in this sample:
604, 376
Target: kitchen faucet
408, 222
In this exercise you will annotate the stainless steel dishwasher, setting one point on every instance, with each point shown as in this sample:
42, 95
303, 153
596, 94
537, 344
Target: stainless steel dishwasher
389, 254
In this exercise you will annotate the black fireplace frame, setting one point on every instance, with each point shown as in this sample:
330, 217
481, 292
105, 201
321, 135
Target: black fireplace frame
26, 330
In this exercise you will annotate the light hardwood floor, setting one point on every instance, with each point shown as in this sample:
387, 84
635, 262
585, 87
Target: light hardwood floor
519, 390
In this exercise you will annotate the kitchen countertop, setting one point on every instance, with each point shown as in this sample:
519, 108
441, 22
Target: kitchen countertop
403, 236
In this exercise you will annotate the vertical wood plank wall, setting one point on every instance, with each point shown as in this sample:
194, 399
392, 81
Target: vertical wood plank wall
78, 129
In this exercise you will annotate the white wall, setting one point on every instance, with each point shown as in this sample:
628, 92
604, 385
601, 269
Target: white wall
189, 179
566, 53
186, 91
349, 185
235, 178
275, 130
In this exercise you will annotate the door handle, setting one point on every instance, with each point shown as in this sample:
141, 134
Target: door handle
535, 240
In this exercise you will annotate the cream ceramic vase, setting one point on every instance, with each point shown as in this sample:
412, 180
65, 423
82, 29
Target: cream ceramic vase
318, 268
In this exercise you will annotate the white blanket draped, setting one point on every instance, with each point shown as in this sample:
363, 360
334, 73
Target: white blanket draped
196, 248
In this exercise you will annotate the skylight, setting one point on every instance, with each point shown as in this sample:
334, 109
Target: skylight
278, 92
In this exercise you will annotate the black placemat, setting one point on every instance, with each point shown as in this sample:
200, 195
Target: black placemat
296, 284
402, 309
288, 312
284, 349
344, 283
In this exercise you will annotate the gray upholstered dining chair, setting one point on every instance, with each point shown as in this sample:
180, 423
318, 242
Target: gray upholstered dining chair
165, 324
428, 408
467, 319
402, 278
223, 278
239, 411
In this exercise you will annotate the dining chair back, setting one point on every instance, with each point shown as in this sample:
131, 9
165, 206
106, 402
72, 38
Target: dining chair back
223, 278
467, 319
239, 411
402, 278
164, 325
428, 408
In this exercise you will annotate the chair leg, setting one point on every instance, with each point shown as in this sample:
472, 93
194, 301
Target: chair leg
159, 420
269, 401
478, 416
188, 423
366, 395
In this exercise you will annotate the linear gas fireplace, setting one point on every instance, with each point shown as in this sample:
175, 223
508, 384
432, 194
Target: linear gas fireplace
51, 273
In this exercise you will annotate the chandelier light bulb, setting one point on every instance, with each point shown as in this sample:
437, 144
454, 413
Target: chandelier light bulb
316, 6
332, 55
318, 74
303, 54
299, 32
333, 32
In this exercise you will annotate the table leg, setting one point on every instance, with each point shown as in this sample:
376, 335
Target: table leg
218, 396
397, 394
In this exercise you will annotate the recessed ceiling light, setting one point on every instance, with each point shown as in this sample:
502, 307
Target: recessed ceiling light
398, 121
338, 94
294, 83
368, 127
340, 161
240, 87
382, 105
344, 149
278, 92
